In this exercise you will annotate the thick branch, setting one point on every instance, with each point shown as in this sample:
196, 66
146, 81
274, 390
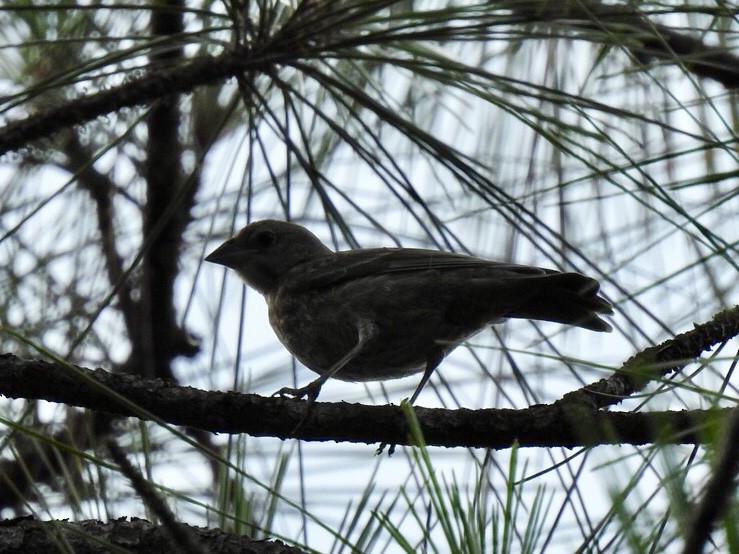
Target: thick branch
155, 85
230, 412
25, 534
169, 198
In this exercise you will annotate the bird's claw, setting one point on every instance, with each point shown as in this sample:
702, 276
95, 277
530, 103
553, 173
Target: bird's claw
381, 449
310, 391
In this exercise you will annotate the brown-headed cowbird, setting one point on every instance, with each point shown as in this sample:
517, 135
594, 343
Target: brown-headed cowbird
383, 313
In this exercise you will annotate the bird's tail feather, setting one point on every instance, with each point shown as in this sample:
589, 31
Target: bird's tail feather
565, 298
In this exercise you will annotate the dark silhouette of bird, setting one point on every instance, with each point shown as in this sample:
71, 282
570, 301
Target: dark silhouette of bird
383, 313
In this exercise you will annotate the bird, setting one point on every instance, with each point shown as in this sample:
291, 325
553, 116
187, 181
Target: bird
383, 313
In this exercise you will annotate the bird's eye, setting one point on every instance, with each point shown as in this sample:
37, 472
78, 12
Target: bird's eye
264, 239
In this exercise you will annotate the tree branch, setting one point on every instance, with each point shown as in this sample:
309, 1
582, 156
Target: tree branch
657, 361
26, 534
560, 424
645, 39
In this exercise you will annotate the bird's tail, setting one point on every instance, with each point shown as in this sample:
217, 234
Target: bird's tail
564, 298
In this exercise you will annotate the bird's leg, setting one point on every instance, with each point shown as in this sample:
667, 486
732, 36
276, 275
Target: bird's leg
366, 331
432, 363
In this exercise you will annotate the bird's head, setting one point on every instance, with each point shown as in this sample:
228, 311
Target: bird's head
264, 251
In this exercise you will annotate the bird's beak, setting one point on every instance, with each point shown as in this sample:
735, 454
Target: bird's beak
226, 254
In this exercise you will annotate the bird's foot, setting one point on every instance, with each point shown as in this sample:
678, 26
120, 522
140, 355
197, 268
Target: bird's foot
383, 446
310, 391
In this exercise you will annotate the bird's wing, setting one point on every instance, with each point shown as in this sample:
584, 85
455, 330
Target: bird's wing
356, 264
